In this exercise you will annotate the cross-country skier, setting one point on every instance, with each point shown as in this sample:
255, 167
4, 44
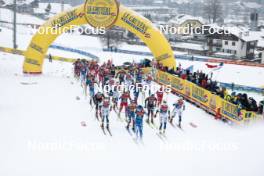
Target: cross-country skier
90, 82
106, 76
84, 71
148, 81
178, 108
121, 76
139, 76
77, 68
105, 111
115, 97
150, 104
164, 114
159, 94
136, 92
131, 114
139, 122
124, 100
98, 101
128, 80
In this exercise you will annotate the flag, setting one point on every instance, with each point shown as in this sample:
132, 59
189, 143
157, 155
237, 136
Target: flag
211, 66
215, 67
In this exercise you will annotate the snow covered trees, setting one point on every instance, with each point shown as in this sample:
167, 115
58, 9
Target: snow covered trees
213, 9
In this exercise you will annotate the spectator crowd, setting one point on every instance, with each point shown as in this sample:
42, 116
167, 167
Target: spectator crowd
205, 81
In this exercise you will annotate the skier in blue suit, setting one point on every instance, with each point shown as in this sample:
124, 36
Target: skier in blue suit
139, 121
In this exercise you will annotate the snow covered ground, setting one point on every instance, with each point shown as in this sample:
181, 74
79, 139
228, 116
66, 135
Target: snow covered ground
41, 134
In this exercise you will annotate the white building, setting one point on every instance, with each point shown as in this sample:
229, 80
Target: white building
236, 42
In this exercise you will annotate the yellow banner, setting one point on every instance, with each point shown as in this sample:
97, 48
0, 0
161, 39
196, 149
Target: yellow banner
177, 84
205, 98
11, 51
200, 95
163, 78
231, 111
21, 52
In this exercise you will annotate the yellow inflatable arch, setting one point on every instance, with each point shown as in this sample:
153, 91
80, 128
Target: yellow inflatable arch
97, 13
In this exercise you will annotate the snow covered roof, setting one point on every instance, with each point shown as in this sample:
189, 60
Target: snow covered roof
148, 7
240, 32
251, 5
158, 2
179, 19
247, 35
39, 11
180, 1
55, 7
19, 2
248, 5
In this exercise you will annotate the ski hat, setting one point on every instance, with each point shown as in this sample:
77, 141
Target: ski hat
181, 98
133, 101
100, 94
106, 98
140, 108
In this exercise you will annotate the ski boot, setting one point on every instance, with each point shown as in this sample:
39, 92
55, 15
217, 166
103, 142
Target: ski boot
152, 121
107, 126
179, 125
147, 121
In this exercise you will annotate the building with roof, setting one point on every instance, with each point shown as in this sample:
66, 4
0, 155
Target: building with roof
185, 23
234, 41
